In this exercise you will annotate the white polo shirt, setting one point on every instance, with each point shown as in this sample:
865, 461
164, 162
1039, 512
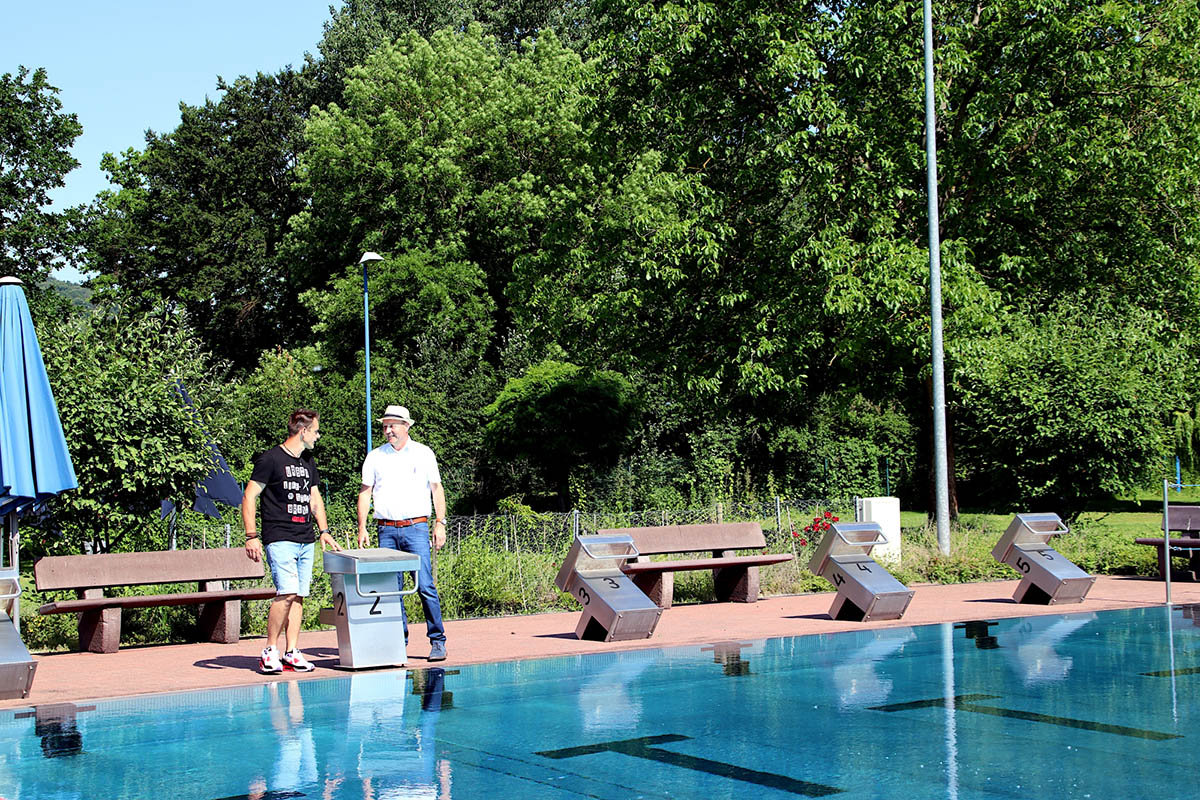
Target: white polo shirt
401, 480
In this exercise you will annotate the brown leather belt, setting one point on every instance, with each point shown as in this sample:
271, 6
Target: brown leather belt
400, 523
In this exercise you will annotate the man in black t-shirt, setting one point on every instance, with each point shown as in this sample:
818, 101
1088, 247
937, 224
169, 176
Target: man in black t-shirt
286, 478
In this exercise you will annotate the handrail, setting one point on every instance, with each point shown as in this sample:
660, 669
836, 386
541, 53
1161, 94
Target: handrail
10, 595
401, 593
632, 551
879, 539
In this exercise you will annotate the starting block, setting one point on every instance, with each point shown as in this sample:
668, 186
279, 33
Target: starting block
1048, 577
865, 590
614, 609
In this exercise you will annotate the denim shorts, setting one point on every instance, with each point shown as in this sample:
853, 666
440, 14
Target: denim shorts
291, 567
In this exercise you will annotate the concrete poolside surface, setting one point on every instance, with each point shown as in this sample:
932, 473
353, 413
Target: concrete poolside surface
72, 677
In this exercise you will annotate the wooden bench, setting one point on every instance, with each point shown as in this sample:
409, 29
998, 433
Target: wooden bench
220, 617
735, 577
1185, 520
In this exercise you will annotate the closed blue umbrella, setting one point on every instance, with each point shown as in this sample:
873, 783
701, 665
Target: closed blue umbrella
34, 462
34, 465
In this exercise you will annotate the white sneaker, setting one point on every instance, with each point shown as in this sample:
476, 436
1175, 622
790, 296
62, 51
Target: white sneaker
269, 664
295, 660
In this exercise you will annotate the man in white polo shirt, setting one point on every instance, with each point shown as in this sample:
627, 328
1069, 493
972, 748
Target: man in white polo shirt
403, 478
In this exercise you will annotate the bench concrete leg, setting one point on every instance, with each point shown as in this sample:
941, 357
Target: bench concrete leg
100, 631
736, 584
221, 621
658, 586
1191, 574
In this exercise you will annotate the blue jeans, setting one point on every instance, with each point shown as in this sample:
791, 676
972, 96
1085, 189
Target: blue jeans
291, 567
415, 539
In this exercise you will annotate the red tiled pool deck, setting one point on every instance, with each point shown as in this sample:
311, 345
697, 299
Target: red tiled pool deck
72, 677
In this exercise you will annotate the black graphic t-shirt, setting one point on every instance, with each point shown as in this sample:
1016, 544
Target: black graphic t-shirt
287, 485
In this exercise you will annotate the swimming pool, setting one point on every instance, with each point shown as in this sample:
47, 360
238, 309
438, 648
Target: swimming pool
1099, 705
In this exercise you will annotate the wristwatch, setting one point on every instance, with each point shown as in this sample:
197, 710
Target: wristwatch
440, 521
324, 531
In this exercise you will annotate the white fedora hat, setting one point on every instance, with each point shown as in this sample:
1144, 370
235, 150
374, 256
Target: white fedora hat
396, 412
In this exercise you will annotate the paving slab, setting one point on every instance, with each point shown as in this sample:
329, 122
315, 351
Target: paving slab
74, 677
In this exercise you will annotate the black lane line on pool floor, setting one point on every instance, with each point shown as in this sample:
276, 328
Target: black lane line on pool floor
963, 702
1167, 673
641, 748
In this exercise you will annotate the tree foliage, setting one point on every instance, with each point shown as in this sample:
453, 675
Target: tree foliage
201, 213
1077, 396
723, 203
132, 439
554, 420
35, 156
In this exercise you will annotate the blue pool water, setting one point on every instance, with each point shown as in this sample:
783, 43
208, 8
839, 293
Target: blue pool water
1074, 706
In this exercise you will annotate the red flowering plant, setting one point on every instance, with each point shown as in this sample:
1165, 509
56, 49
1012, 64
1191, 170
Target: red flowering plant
820, 524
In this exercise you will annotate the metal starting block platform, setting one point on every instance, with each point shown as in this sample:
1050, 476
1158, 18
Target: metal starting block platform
17, 667
614, 609
865, 590
368, 606
1048, 577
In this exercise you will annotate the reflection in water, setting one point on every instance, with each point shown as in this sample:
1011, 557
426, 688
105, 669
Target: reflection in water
978, 630
1191, 611
295, 765
429, 685
1034, 658
54, 724
605, 701
391, 759
949, 693
374, 747
855, 678
729, 656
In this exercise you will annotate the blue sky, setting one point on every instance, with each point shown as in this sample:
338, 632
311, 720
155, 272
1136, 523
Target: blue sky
124, 67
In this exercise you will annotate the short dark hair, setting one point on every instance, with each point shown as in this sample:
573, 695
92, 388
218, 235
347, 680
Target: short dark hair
300, 419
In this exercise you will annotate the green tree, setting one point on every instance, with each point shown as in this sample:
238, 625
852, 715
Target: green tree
1060, 407
200, 214
849, 447
431, 325
360, 27
445, 146
35, 157
553, 421
132, 439
759, 233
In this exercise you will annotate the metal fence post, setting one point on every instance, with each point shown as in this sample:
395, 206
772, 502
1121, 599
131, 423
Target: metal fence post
1167, 538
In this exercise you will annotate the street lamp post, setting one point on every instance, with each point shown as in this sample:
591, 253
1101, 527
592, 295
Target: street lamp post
367, 258
940, 470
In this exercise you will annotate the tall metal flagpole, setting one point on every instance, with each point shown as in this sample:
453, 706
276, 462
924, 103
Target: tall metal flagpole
941, 483
367, 258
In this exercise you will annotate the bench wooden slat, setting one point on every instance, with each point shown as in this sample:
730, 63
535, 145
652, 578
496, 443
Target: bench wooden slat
155, 600
1182, 518
1182, 544
705, 563
666, 539
134, 569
